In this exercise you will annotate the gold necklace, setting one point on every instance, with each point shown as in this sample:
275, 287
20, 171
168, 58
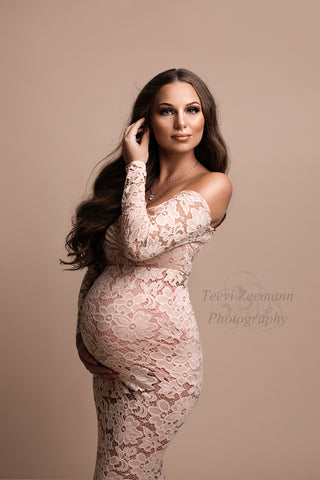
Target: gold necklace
151, 196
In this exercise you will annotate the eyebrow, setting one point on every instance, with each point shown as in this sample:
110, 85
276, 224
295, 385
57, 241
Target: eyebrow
170, 105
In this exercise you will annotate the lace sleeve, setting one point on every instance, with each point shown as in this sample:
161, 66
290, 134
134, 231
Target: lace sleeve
182, 218
88, 280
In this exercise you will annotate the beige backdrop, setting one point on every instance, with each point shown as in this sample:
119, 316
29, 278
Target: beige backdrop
71, 70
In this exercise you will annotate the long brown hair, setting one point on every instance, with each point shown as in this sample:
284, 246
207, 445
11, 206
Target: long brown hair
94, 215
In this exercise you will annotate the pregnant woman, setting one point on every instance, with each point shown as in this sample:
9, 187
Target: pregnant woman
152, 209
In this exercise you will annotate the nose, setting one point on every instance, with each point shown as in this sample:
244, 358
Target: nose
179, 120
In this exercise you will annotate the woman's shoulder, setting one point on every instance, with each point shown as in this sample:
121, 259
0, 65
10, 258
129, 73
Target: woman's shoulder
216, 189
217, 176
207, 182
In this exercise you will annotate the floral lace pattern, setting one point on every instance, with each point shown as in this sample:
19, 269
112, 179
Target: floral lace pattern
137, 318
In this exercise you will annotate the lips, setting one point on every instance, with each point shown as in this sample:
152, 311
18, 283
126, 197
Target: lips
183, 135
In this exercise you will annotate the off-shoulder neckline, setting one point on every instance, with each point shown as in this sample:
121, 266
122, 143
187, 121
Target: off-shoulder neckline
187, 190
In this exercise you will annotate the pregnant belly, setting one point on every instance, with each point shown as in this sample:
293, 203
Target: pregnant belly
142, 326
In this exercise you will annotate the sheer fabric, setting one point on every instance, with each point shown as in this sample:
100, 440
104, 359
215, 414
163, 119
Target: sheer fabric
137, 319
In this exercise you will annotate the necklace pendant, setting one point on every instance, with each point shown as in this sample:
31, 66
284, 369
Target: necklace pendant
151, 196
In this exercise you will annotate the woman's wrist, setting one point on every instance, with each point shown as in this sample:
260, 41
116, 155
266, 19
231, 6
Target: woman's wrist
135, 163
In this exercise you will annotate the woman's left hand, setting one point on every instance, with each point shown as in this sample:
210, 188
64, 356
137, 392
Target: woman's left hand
131, 149
91, 363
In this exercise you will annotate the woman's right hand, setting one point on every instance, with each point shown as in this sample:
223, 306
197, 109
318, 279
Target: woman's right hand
131, 149
93, 366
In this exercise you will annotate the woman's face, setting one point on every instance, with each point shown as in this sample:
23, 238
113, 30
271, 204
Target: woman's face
177, 110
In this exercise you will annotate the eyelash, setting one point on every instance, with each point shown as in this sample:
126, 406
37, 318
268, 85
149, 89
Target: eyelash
170, 109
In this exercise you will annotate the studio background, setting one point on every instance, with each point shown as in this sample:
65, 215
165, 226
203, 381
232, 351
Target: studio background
71, 70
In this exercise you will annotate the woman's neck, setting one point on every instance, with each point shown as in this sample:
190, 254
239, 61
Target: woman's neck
173, 165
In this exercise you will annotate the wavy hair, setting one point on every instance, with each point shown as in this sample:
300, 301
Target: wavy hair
85, 242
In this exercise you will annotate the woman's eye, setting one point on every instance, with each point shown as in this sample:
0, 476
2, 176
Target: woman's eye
195, 109
165, 111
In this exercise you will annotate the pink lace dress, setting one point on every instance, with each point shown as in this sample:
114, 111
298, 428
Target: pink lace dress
137, 319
